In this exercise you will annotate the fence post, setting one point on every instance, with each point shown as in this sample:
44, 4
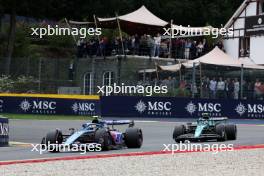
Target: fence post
193, 79
39, 74
241, 81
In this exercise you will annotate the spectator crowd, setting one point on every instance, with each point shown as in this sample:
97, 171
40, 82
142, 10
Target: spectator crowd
214, 88
231, 88
145, 45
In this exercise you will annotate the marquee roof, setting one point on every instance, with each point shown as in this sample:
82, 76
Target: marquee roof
141, 16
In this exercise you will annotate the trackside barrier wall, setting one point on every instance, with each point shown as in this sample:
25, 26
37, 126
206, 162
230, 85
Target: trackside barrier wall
50, 104
129, 106
4, 131
171, 107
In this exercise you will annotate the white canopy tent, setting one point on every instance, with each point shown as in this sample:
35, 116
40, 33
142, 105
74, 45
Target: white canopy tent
150, 70
220, 58
247, 61
171, 68
141, 16
216, 57
140, 22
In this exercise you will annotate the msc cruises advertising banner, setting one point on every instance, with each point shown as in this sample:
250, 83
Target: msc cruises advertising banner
55, 106
124, 106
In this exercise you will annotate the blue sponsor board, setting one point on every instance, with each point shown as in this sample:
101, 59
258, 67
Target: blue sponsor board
52, 106
125, 106
4, 132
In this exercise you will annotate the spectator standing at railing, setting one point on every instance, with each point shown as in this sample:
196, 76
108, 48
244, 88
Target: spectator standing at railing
220, 88
230, 88
257, 92
79, 49
177, 48
157, 41
89, 48
188, 46
205, 46
127, 44
85, 48
164, 49
150, 46
143, 45
101, 48
245, 89
115, 45
205, 87
193, 50
200, 48
137, 41
133, 44
212, 88
236, 88
250, 93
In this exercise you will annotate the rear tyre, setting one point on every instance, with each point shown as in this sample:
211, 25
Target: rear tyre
103, 138
220, 130
231, 131
52, 140
178, 131
133, 138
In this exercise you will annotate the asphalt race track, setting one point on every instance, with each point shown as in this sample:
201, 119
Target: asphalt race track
156, 133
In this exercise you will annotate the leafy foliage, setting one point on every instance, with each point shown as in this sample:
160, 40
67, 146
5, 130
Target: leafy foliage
22, 84
195, 13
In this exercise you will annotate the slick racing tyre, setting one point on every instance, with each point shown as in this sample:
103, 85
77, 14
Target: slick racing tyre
231, 131
103, 138
178, 131
53, 137
133, 138
220, 130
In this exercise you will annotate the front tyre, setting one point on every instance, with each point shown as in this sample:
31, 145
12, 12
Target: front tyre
178, 131
53, 140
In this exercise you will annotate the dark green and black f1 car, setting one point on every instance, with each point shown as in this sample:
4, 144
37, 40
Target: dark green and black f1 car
206, 128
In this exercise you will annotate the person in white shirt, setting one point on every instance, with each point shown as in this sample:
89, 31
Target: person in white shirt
236, 89
157, 41
212, 88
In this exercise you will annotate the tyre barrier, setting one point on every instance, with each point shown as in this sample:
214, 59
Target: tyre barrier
4, 131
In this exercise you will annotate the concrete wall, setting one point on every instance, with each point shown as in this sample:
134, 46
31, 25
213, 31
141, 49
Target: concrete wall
232, 47
127, 67
257, 49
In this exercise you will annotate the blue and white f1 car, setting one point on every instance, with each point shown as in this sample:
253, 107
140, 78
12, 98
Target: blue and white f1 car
99, 132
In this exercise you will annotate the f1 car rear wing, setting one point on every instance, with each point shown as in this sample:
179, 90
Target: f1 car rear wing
218, 118
120, 122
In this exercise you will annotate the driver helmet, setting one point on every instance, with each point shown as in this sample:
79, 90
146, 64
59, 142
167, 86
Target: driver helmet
95, 119
205, 115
